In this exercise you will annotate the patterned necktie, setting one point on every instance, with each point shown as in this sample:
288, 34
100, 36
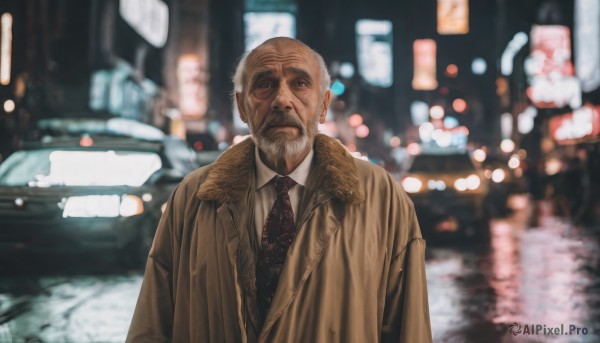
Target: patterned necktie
278, 234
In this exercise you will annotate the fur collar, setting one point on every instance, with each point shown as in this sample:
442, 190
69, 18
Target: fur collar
228, 177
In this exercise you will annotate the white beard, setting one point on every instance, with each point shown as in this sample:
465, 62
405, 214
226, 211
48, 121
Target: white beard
279, 148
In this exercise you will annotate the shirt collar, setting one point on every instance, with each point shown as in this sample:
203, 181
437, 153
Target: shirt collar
265, 174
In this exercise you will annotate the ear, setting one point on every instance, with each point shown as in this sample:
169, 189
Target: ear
326, 99
239, 102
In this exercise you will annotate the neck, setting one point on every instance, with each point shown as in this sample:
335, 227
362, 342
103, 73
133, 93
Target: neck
284, 165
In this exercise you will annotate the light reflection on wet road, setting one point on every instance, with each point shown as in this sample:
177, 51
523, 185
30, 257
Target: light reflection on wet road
546, 275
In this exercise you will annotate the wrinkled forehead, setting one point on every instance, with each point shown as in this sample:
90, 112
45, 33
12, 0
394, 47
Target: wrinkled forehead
284, 54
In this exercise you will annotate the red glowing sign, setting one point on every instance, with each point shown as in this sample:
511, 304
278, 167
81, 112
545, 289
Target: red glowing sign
550, 68
582, 124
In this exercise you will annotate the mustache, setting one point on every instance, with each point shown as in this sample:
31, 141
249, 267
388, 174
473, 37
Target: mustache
282, 119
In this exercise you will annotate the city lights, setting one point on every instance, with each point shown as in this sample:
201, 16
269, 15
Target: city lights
553, 166
337, 88
479, 155
436, 112
460, 185
459, 105
514, 46
193, 93
498, 175
525, 120
355, 120
260, 26
479, 66
473, 182
347, 70
570, 127
413, 149
362, 131
374, 51
450, 122
550, 70
419, 112
426, 131
587, 43
507, 145
514, 162
451, 71
424, 77
412, 184
506, 124
9, 106
5, 48
395, 142
452, 17
149, 18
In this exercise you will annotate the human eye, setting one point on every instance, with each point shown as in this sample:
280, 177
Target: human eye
265, 84
301, 83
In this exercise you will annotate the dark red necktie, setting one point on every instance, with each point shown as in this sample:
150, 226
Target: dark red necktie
278, 234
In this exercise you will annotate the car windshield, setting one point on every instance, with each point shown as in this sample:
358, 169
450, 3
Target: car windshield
50, 167
441, 163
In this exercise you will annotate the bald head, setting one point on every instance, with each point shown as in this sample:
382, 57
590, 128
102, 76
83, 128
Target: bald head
240, 78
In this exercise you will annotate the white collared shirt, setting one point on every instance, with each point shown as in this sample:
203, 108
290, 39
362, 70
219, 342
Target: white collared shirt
265, 190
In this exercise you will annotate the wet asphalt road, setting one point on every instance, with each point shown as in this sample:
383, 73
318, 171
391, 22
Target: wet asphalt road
543, 276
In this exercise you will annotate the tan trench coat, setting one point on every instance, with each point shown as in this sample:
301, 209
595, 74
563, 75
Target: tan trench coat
355, 272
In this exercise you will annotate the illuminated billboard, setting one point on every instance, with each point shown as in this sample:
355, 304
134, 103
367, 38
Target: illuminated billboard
191, 81
260, 26
374, 50
587, 43
5, 48
149, 18
452, 17
550, 70
576, 127
424, 77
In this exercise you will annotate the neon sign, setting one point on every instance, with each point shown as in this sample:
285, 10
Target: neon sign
573, 127
149, 18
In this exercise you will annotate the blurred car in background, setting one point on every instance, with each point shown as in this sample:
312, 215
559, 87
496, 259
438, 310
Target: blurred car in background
90, 184
503, 182
206, 157
448, 191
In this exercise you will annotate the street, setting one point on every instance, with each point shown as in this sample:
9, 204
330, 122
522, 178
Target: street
545, 279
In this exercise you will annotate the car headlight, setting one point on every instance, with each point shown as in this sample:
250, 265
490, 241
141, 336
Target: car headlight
90, 206
131, 205
412, 184
471, 182
460, 185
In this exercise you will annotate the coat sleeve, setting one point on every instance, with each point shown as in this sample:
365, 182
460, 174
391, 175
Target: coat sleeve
406, 313
153, 316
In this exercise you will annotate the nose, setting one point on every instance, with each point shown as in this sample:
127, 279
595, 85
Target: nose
283, 99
